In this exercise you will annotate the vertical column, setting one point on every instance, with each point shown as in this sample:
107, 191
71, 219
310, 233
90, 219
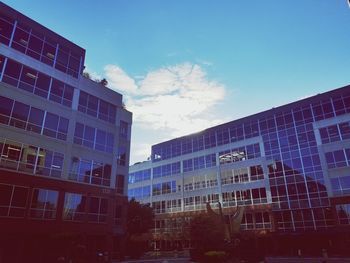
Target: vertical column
218, 177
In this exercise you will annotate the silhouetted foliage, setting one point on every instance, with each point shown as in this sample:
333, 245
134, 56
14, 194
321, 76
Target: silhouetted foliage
206, 233
139, 222
139, 218
104, 82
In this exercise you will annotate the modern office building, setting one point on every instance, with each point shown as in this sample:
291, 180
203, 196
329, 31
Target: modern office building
64, 148
288, 166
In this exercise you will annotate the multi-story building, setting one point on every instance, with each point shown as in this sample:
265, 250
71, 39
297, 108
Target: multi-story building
64, 148
288, 166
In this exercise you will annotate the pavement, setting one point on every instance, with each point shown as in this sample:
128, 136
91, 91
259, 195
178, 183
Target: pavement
163, 260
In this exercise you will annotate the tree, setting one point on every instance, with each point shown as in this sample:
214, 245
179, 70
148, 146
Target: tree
207, 233
104, 82
138, 223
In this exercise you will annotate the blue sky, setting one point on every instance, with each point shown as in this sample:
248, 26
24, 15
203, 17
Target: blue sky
189, 64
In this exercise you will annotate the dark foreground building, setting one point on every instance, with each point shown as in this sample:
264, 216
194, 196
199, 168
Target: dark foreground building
288, 166
64, 149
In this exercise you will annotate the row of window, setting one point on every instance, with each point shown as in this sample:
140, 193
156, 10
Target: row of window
334, 133
200, 185
343, 213
139, 176
248, 174
96, 107
139, 192
30, 159
240, 154
33, 81
23, 116
90, 171
200, 162
257, 220
233, 132
93, 138
44, 204
340, 185
166, 170
164, 188
302, 219
34, 44
169, 206
339, 158
244, 197
199, 202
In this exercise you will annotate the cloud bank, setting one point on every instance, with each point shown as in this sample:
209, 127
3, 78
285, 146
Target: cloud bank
175, 99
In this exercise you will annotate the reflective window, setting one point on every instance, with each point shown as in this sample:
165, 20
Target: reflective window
44, 204
55, 126
121, 156
123, 130
119, 184
74, 207
6, 105
36, 82
97, 210
35, 120
12, 73
61, 93
89, 171
6, 25
93, 138
13, 200
19, 115
96, 107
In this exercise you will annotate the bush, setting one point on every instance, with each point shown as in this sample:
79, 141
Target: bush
214, 256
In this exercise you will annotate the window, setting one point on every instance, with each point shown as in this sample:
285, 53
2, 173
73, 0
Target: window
19, 115
97, 210
61, 93
5, 109
120, 183
13, 200
6, 26
188, 165
27, 79
20, 39
56, 126
124, 127
95, 107
12, 73
30, 80
89, 171
44, 204
74, 207
35, 120
121, 157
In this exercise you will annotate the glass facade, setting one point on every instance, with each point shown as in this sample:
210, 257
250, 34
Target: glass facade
26, 40
26, 117
287, 164
20, 76
61, 146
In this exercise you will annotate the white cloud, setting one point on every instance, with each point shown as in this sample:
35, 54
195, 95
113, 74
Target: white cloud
119, 80
171, 101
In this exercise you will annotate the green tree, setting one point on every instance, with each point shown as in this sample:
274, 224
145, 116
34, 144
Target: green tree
207, 233
104, 82
138, 223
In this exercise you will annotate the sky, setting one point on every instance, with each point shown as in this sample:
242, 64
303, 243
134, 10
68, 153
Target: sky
186, 65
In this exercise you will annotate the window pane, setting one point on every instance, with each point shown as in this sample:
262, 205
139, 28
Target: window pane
12, 72
5, 195
19, 115
42, 85
35, 121
20, 196
5, 109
